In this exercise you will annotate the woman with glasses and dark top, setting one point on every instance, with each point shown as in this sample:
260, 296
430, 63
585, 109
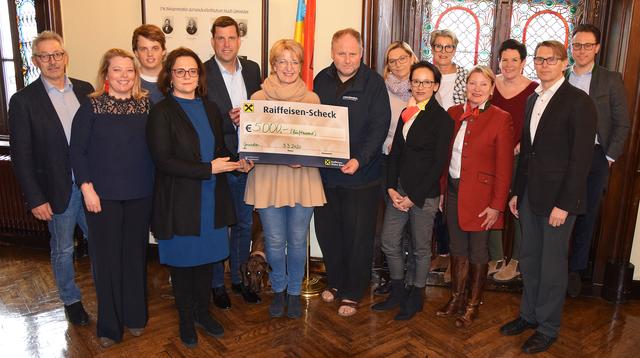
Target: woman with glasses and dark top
113, 168
192, 204
285, 195
452, 92
477, 185
512, 91
399, 58
418, 156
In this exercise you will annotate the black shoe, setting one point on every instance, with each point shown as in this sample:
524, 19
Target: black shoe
412, 305
516, 327
188, 334
397, 296
276, 309
382, 289
220, 298
76, 314
210, 325
248, 295
537, 343
294, 307
574, 285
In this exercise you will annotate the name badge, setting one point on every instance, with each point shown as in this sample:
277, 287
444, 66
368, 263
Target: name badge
350, 98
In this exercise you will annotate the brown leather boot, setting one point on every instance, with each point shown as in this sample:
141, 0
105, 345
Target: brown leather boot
459, 273
477, 277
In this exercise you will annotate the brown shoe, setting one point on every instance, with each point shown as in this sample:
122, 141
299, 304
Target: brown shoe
508, 272
477, 278
459, 271
495, 266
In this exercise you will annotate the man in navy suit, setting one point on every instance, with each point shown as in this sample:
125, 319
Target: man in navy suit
607, 91
231, 80
40, 118
549, 192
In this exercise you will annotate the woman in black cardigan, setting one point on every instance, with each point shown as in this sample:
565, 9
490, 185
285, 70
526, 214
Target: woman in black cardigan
192, 206
418, 156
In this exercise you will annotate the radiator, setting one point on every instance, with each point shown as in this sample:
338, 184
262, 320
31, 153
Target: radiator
15, 218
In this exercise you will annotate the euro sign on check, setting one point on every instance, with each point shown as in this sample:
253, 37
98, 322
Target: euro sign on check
294, 133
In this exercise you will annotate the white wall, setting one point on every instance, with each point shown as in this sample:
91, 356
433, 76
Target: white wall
92, 27
635, 249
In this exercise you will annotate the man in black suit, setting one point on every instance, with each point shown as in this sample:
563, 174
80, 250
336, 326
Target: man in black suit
231, 80
607, 91
40, 118
549, 192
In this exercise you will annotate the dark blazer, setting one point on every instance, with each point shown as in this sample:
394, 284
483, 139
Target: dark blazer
418, 161
39, 147
554, 168
175, 149
607, 91
486, 167
218, 94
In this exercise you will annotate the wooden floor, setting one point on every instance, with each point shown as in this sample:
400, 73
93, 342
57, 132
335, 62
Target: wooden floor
32, 324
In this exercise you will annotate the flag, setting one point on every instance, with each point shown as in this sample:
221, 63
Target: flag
304, 35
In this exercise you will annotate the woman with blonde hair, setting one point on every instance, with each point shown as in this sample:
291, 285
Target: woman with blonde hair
285, 195
112, 166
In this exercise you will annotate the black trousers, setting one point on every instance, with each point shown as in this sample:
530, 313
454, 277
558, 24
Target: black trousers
471, 244
543, 263
118, 237
583, 231
345, 228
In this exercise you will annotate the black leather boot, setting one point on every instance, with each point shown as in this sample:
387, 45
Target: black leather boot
412, 305
397, 296
181, 282
201, 293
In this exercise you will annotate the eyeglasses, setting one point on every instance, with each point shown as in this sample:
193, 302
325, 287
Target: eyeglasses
181, 72
153, 49
425, 84
400, 60
46, 57
541, 60
446, 48
579, 46
285, 63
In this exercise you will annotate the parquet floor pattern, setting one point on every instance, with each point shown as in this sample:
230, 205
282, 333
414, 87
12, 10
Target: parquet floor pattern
32, 324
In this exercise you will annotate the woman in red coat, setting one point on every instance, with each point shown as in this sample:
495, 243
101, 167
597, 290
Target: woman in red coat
477, 185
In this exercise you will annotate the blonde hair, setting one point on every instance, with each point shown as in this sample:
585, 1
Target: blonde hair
46, 36
443, 33
348, 31
278, 49
557, 47
395, 45
137, 91
485, 71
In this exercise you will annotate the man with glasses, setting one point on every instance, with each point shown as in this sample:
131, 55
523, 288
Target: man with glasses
549, 192
607, 90
40, 119
148, 43
231, 80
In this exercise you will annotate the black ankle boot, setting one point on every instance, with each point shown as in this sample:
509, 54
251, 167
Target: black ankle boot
294, 308
412, 305
276, 309
395, 298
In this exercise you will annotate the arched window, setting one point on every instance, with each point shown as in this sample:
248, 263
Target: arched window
471, 21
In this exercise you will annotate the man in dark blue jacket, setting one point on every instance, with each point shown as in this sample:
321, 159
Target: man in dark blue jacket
40, 117
345, 226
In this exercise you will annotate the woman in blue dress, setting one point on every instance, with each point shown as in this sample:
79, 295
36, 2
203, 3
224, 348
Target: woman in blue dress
192, 206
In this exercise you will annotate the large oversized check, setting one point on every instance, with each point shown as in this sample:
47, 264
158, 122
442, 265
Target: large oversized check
277, 132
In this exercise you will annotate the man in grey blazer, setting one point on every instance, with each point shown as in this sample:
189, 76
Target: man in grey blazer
607, 91
231, 80
40, 118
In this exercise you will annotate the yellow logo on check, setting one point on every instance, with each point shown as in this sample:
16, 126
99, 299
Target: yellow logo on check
247, 108
327, 162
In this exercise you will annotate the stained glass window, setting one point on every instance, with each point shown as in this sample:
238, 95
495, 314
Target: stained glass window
471, 21
27, 31
533, 21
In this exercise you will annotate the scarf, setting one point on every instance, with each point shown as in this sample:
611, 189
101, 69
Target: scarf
473, 112
412, 109
398, 87
289, 92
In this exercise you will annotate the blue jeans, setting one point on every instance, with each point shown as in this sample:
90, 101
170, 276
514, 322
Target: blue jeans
285, 240
61, 228
240, 233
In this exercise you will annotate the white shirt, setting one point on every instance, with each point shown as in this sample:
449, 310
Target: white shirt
444, 96
544, 96
397, 105
234, 83
152, 79
456, 155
